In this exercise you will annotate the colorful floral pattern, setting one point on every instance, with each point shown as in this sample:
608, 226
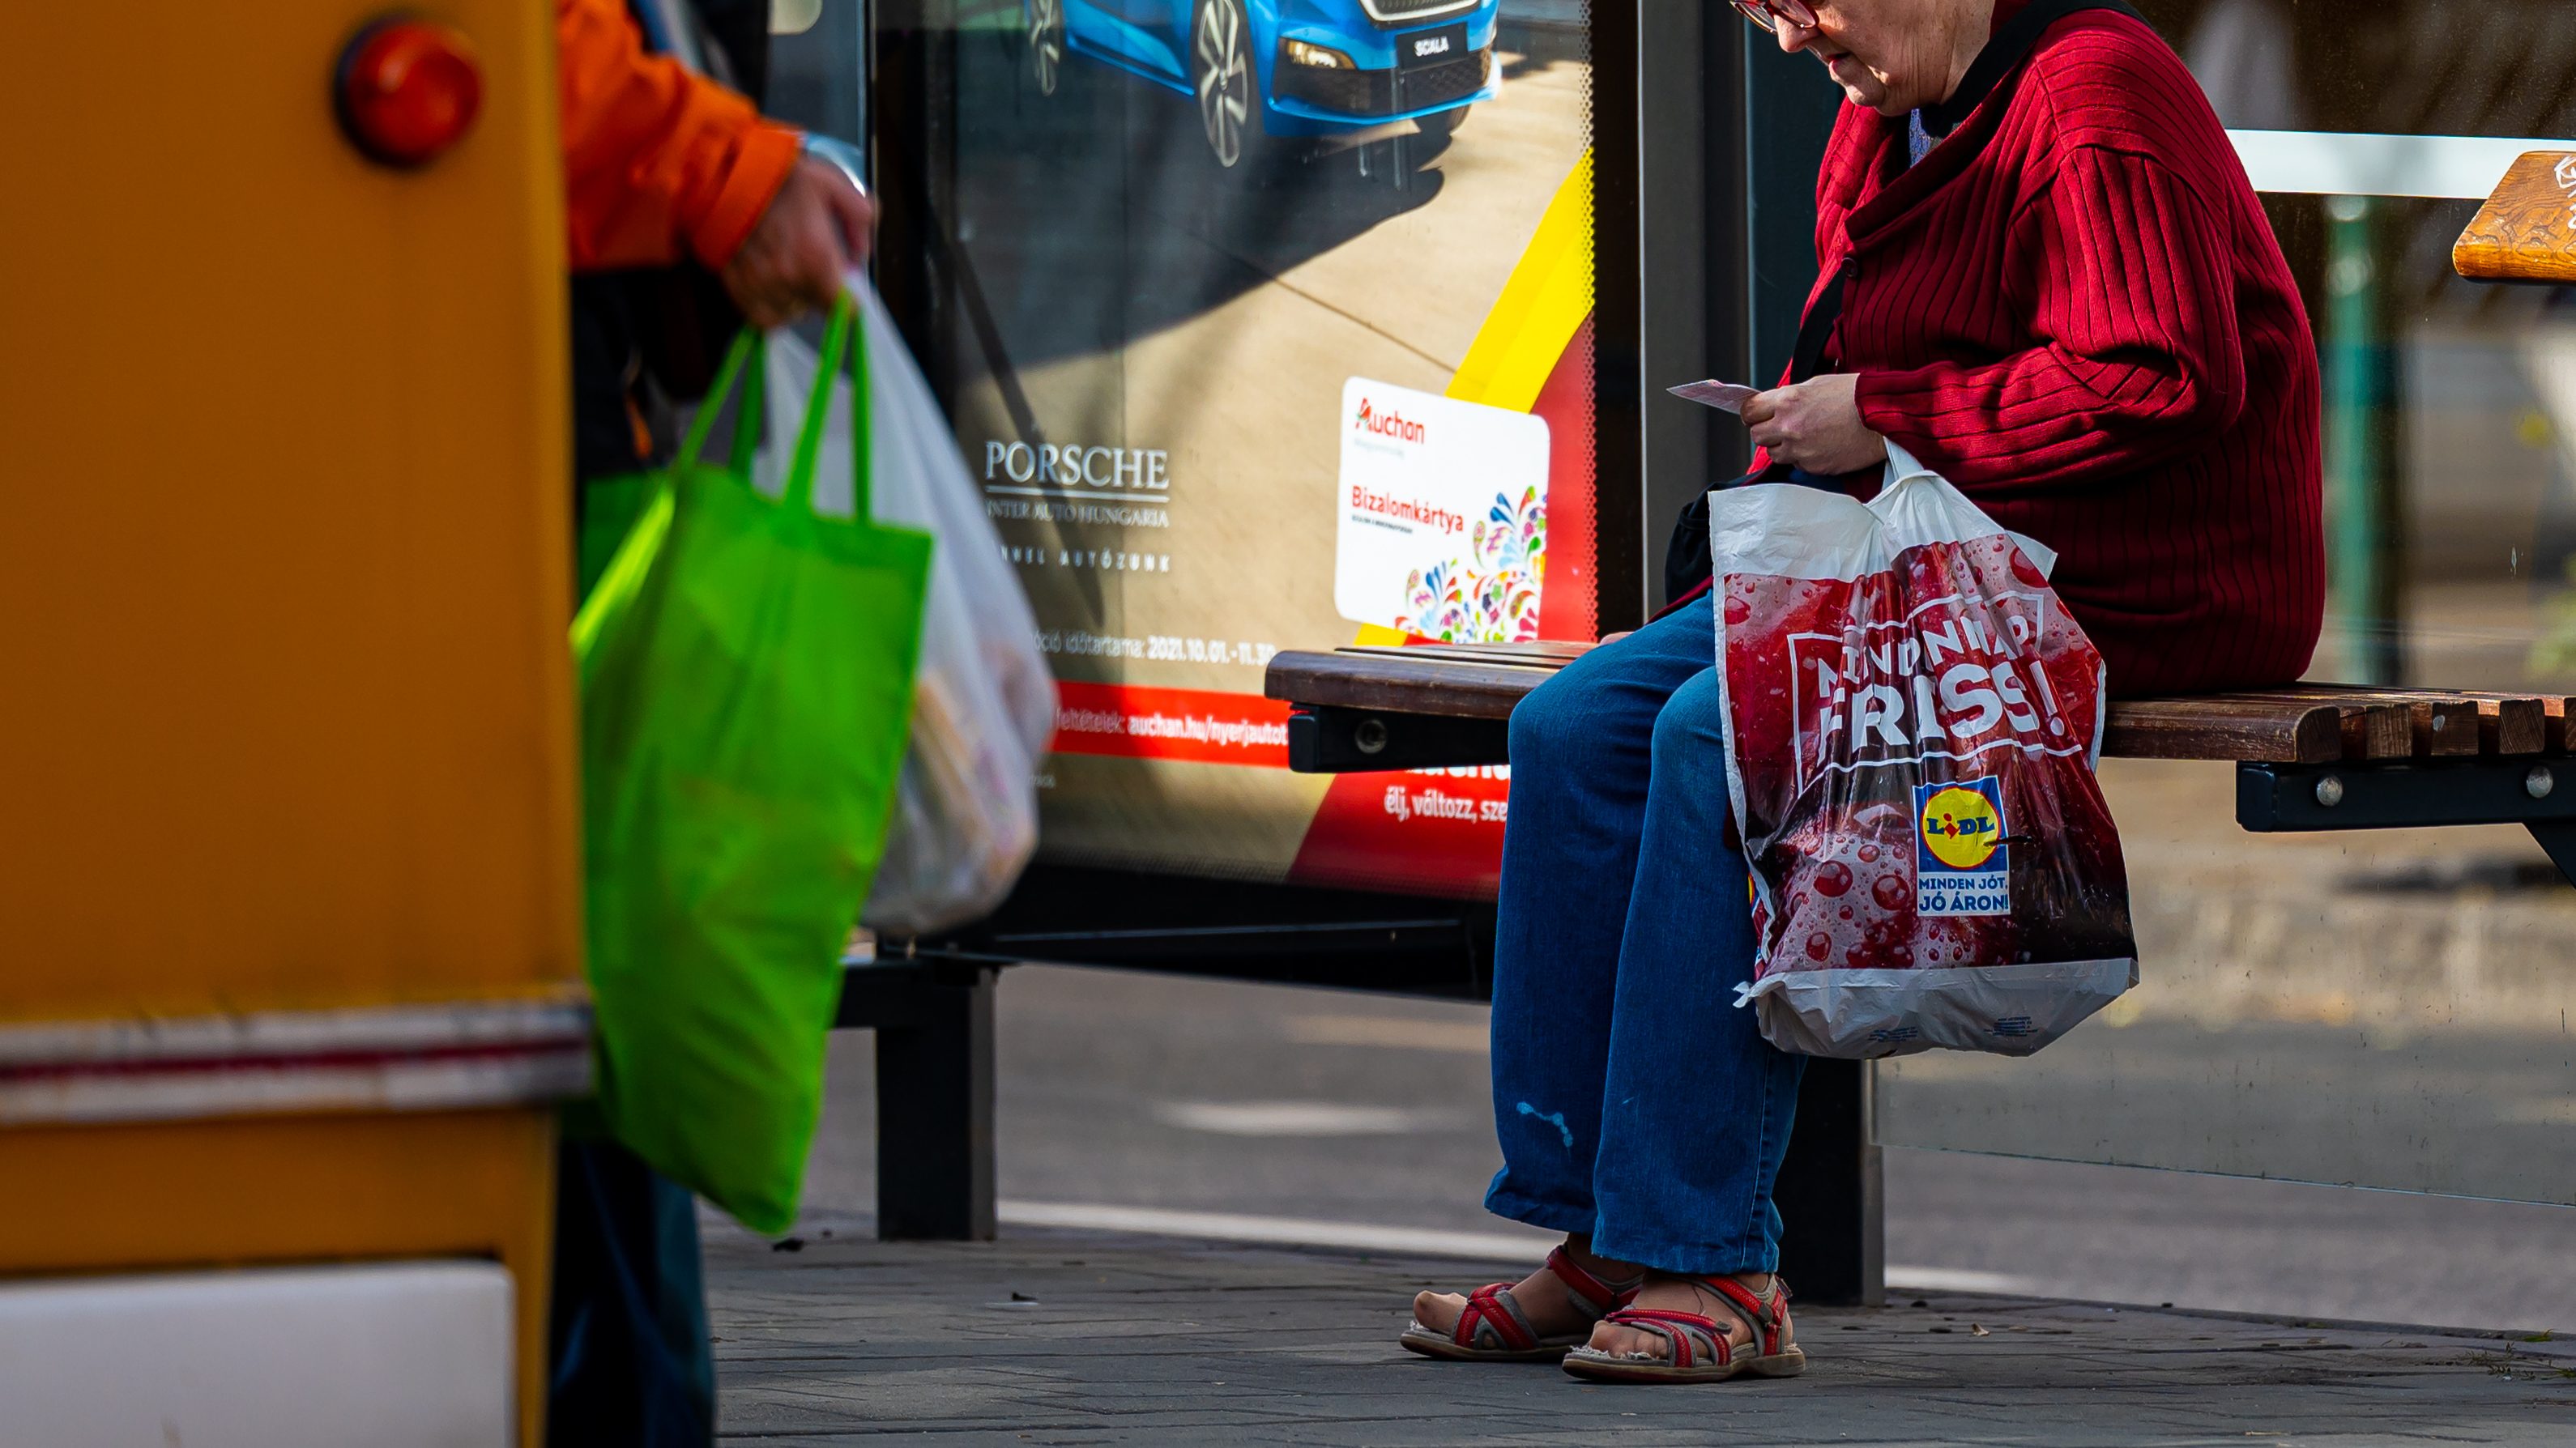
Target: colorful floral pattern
1492, 596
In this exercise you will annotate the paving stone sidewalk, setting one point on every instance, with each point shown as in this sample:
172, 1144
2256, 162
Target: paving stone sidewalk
1071, 1338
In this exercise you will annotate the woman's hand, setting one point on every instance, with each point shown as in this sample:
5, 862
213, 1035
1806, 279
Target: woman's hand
1816, 425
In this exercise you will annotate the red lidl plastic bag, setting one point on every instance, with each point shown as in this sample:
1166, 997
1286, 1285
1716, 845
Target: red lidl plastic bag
1912, 723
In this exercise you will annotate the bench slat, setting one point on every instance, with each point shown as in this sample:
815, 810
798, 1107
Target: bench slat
1445, 687
2520, 234
2379, 731
2505, 723
2264, 731
1449, 682
2443, 727
2512, 726
2294, 724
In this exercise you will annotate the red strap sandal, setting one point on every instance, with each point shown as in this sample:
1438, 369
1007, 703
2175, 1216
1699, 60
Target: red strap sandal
1494, 1329
1697, 1348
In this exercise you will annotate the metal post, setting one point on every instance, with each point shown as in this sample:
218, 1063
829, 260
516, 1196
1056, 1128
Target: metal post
934, 1028
1829, 1191
2361, 573
1678, 258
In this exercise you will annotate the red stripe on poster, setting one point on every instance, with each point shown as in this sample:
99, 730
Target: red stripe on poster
1200, 725
1430, 832
1566, 601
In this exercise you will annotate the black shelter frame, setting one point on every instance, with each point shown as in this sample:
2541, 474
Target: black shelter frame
1706, 140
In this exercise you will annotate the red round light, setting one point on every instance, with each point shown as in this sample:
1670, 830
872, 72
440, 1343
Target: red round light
407, 90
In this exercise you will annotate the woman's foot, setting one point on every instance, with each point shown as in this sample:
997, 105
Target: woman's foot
1535, 1319
1695, 1329
1664, 1292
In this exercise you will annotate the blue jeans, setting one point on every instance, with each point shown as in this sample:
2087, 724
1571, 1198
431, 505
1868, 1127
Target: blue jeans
631, 1361
1634, 1100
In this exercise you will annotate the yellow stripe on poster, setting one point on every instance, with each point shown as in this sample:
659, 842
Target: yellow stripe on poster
1542, 305
1545, 301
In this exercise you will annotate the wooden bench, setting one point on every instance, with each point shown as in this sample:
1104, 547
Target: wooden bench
2313, 757
2308, 756
2521, 234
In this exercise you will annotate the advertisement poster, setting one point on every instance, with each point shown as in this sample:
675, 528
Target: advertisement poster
1271, 330
1444, 516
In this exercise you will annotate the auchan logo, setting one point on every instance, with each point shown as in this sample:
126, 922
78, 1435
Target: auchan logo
1388, 424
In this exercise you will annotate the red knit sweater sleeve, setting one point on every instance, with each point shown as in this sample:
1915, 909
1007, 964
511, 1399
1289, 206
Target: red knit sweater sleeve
2130, 293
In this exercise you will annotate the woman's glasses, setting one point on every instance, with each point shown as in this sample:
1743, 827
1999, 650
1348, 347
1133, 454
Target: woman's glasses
1770, 13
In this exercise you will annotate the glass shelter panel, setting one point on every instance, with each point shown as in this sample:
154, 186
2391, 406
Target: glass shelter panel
2386, 1009
1264, 324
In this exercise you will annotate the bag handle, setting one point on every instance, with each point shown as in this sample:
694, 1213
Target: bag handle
746, 359
844, 348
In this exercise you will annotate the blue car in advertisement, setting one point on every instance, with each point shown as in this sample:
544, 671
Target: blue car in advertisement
1264, 68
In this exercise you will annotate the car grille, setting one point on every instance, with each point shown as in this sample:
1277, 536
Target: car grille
1385, 92
1405, 12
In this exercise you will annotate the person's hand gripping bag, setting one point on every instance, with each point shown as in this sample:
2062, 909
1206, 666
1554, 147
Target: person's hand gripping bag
1912, 723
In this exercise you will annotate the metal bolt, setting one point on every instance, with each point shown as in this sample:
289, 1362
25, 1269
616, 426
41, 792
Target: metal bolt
1370, 736
2539, 782
2330, 791
2438, 721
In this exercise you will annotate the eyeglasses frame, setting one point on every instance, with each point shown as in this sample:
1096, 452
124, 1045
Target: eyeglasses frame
1769, 13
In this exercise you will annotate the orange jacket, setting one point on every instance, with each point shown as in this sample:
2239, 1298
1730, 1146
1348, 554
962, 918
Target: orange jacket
656, 159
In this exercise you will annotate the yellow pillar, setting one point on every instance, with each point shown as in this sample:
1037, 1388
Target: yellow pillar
286, 746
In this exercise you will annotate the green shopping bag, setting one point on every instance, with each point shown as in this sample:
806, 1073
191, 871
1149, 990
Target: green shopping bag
746, 690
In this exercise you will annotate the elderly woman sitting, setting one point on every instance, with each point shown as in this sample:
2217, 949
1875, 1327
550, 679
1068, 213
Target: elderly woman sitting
2055, 287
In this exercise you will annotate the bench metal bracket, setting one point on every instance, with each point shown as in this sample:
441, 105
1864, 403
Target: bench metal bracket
1327, 739
934, 1025
2558, 837
2538, 794
2274, 798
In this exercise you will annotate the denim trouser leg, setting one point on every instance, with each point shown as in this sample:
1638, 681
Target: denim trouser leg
1632, 1098
631, 1361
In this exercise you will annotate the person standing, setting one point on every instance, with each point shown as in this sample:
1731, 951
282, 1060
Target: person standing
687, 214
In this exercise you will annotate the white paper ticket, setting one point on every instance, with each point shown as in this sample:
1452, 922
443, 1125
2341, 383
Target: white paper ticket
1724, 396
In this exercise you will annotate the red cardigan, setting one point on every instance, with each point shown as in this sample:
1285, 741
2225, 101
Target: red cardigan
2086, 324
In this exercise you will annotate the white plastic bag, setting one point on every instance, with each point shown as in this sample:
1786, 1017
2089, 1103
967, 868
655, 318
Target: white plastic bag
1912, 719
966, 818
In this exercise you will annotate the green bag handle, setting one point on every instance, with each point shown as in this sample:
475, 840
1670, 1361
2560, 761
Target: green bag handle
748, 360
844, 346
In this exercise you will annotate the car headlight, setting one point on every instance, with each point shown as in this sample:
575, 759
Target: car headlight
1300, 53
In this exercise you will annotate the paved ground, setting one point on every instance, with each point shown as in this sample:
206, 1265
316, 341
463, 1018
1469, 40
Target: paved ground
1124, 1097
1054, 1337
2375, 1005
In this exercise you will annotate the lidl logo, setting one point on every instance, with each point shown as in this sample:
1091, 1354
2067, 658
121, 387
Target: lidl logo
1962, 825
1961, 864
